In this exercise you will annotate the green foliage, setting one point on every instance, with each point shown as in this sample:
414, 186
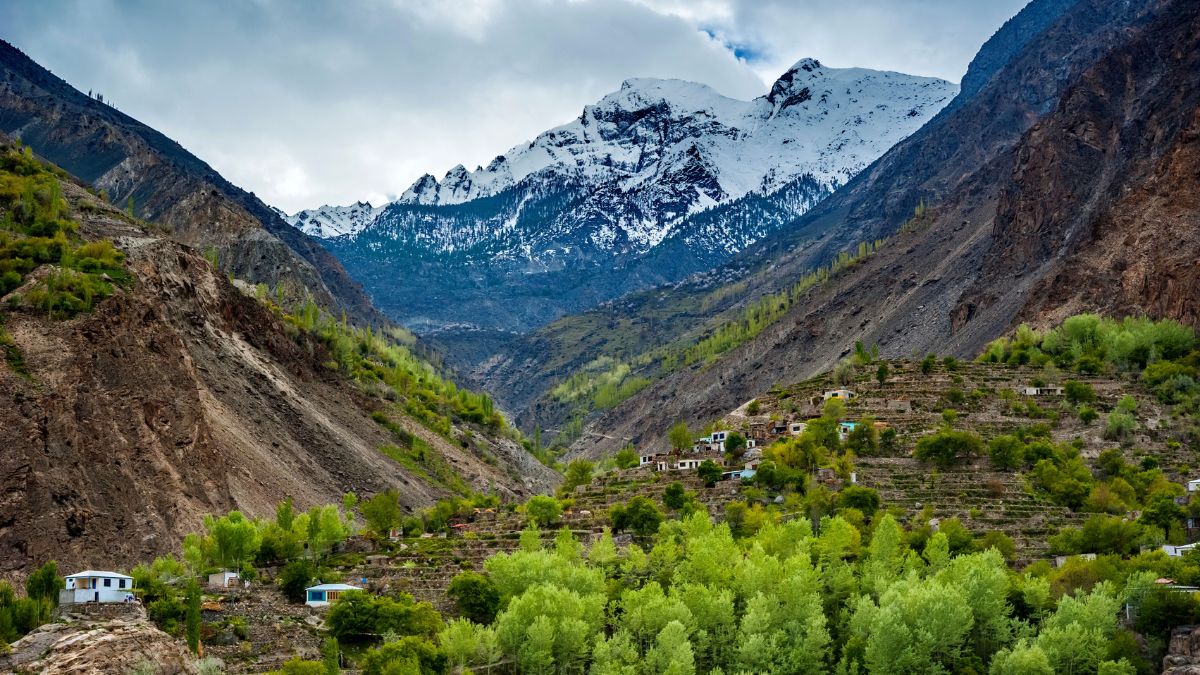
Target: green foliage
475, 595
543, 511
383, 360
640, 516
709, 472
192, 617
35, 230
1079, 392
43, 584
295, 577
680, 437
382, 512
928, 363
406, 656
1088, 344
947, 447
674, 497
357, 617
627, 458
579, 472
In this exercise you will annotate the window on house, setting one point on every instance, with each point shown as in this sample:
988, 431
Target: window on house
107, 583
121, 583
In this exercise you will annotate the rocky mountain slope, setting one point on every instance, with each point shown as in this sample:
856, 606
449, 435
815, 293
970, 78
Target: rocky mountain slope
182, 395
165, 184
989, 250
657, 180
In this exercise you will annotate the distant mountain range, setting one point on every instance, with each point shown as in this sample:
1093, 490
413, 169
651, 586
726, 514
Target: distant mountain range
657, 180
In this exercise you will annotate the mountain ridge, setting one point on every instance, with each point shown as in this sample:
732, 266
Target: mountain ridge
658, 180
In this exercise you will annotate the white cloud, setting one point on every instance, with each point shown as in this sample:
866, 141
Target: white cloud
310, 103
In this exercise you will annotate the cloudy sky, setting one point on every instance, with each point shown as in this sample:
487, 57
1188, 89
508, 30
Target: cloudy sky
308, 102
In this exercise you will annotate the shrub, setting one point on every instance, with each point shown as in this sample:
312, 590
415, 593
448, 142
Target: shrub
1079, 392
639, 516
857, 497
948, 446
357, 616
543, 511
1088, 414
627, 458
475, 596
674, 497
1006, 452
927, 364
295, 577
709, 472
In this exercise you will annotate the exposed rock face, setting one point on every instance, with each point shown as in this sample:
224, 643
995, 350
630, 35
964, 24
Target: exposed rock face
1183, 654
99, 643
167, 185
1067, 183
180, 396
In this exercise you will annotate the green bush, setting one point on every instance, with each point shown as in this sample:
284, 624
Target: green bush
475, 596
948, 446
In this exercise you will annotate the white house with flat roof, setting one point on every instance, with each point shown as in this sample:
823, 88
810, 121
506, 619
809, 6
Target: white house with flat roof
96, 586
323, 594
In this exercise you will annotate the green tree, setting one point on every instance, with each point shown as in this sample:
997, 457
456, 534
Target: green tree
475, 595
709, 472
579, 472
193, 616
1079, 392
627, 458
882, 373
331, 656
295, 578
735, 444
680, 437
674, 497
1006, 452
44, 583
639, 516
549, 629
407, 656
357, 617
382, 512
235, 539
543, 511
947, 446
928, 363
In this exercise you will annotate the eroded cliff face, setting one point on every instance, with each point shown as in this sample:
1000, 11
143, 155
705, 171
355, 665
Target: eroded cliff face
1104, 200
181, 395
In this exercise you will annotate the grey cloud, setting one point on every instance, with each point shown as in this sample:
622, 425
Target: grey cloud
312, 102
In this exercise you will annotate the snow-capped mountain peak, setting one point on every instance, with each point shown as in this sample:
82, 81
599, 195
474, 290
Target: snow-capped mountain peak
335, 221
659, 170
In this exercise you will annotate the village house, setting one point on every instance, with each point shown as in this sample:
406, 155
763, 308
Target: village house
779, 427
845, 429
224, 579
96, 586
1193, 485
1177, 551
323, 594
645, 459
840, 394
1052, 390
685, 464
796, 428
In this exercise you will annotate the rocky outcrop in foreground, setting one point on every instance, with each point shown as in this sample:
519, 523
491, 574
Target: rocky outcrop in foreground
1183, 656
99, 640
